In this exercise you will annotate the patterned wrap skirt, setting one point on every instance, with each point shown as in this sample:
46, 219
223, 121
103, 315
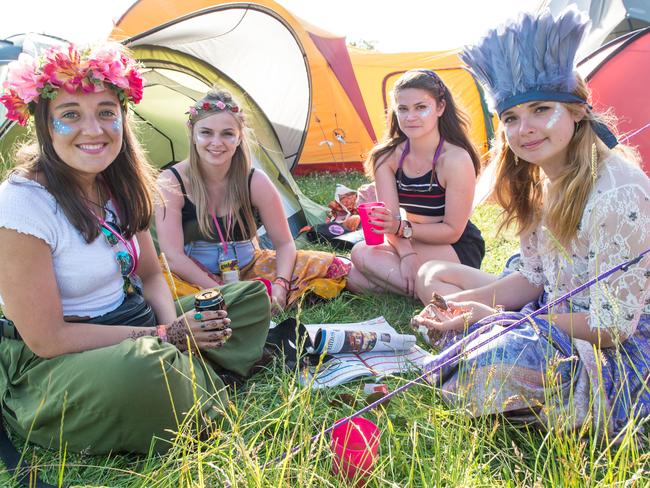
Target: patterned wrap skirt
536, 373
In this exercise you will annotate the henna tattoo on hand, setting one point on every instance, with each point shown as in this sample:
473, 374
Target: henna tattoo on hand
177, 334
141, 333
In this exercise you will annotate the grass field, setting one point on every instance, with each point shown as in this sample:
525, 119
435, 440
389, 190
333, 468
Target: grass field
424, 443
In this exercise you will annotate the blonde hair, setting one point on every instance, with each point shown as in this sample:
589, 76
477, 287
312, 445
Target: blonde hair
237, 198
519, 189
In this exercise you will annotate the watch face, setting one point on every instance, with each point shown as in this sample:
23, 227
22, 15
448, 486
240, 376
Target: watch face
408, 230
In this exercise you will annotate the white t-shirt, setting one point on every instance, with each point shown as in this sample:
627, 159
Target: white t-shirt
88, 275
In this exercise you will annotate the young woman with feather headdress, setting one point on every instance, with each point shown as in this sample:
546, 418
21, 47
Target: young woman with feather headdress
580, 205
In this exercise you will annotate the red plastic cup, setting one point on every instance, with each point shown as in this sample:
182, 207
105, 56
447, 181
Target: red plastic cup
355, 444
372, 238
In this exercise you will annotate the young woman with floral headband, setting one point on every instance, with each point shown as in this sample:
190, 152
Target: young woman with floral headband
91, 348
427, 166
214, 201
579, 207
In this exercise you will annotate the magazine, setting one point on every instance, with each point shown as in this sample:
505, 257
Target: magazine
342, 340
369, 348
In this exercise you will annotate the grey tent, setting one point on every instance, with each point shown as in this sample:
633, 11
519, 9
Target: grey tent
609, 19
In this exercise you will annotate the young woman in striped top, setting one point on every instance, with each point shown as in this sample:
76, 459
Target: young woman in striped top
427, 166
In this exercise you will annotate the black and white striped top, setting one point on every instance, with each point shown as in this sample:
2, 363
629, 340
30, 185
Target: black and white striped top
422, 195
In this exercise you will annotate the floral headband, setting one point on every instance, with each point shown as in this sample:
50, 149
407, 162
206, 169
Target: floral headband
72, 69
200, 108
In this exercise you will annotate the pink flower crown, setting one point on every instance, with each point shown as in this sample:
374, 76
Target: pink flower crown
201, 108
72, 69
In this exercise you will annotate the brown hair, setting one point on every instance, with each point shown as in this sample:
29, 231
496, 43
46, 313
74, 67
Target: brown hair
129, 179
519, 184
453, 123
238, 200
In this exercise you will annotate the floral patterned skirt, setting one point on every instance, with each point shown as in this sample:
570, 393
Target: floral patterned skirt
321, 273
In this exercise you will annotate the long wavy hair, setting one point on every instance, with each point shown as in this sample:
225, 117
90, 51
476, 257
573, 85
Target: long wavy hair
129, 179
520, 190
453, 123
237, 198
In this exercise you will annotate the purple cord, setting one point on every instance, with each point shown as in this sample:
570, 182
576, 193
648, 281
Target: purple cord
455, 347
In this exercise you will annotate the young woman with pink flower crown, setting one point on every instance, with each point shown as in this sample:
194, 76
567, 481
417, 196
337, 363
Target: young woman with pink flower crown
213, 203
91, 334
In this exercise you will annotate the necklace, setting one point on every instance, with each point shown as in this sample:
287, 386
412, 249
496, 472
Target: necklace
224, 242
407, 149
126, 260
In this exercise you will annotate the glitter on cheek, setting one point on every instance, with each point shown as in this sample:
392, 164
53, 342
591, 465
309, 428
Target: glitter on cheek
202, 138
117, 124
555, 116
511, 132
60, 127
426, 112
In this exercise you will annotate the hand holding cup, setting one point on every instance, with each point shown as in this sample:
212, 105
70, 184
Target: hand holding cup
383, 221
371, 232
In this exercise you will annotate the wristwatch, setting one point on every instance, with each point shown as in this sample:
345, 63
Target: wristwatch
407, 231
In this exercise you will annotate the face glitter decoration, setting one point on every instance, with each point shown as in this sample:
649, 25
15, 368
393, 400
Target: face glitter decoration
425, 112
60, 127
555, 116
422, 111
117, 124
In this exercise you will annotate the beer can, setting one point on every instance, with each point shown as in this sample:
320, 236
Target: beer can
209, 300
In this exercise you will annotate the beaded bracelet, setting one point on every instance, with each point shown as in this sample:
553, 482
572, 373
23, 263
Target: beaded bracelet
161, 332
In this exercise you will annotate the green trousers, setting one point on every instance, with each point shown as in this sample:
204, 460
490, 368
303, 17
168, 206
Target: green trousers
118, 398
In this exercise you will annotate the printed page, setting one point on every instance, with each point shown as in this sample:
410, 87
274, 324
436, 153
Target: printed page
344, 367
333, 341
378, 324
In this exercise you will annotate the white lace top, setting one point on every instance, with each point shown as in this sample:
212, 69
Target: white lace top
615, 227
87, 275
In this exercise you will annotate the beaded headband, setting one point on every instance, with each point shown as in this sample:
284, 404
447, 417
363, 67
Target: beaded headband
200, 108
438, 81
71, 68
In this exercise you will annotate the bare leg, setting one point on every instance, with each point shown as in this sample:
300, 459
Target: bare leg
379, 266
446, 278
358, 283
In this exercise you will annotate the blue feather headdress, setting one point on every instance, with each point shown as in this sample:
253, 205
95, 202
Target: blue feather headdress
530, 59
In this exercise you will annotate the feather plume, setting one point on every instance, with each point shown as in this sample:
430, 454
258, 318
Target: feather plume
536, 52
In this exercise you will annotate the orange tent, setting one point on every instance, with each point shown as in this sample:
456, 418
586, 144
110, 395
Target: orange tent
326, 103
377, 72
318, 114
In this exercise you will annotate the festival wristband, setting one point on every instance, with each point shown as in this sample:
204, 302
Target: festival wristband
399, 226
161, 332
283, 282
